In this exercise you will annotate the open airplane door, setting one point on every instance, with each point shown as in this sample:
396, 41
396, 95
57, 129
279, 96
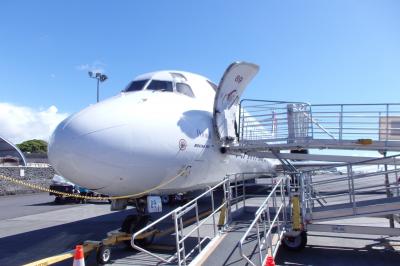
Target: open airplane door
226, 102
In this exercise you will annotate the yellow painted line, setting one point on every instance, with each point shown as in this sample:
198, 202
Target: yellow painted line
395, 245
87, 247
52, 260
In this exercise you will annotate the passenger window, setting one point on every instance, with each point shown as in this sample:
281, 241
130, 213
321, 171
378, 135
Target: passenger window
184, 89
159, 85
136, 85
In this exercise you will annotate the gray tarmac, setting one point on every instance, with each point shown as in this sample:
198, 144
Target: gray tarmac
33, 227
28, 204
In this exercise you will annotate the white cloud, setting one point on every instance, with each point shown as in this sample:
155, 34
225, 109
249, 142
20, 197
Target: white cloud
20, 123
96, 66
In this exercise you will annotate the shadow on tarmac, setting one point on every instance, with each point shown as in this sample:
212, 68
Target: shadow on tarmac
38, 244
53, 203
30, 246
377, 253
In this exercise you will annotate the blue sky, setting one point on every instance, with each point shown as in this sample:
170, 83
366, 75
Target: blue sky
315, 51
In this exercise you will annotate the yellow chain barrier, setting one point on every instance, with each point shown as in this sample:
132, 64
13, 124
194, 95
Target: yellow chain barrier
44, 189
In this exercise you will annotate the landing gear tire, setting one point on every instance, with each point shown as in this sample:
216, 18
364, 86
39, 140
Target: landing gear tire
134, 223
103, 255
295, 243
179, 198
58, 200
165, 199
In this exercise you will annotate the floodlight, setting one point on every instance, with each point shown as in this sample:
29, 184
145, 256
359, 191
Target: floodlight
100, 78
103, 78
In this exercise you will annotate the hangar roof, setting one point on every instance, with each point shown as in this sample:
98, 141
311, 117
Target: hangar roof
8, 149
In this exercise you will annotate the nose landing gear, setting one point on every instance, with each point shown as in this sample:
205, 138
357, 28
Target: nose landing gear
134, 223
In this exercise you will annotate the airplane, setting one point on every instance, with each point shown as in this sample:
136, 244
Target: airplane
165, 133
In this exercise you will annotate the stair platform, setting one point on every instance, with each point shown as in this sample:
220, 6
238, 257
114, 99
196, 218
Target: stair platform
375, 207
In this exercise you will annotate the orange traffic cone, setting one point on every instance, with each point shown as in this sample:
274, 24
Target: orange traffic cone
270, 261
79, 260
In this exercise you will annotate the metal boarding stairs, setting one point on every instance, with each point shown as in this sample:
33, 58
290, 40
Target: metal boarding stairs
289, 209
277, 125
364, 189
268, 127
188, 223
354, 191
299, 200
196, 229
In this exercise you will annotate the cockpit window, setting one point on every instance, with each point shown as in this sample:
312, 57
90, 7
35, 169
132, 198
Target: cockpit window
136, 85
184, 89
159, 85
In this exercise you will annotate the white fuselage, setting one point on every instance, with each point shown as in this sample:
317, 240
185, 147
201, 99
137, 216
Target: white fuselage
141, 141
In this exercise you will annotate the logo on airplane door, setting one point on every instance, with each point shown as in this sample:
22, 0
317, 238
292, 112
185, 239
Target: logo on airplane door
182, 144
238, 79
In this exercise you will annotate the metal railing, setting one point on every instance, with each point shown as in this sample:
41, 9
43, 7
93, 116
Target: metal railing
184, 230
350, 185
179, 213
234, 195
277, 122
273, 121
356, 121
240, 181
270, 220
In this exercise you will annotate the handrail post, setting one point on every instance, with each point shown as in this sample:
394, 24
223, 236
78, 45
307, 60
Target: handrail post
198, 227
387, 187
259, 243
213, 209
303, 195
240, 133
236, 192
244, 192
397, 176
348, 182
283, 199
178, 251
353, 192
341, 123
183, 241
387, 125
311, 122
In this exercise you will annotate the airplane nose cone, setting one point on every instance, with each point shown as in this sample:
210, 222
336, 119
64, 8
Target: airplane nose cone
81, 147
117, 147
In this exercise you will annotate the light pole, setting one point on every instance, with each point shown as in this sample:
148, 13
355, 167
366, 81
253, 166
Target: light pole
100, 78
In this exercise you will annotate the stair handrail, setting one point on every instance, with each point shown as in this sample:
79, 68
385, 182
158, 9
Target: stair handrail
260, 214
